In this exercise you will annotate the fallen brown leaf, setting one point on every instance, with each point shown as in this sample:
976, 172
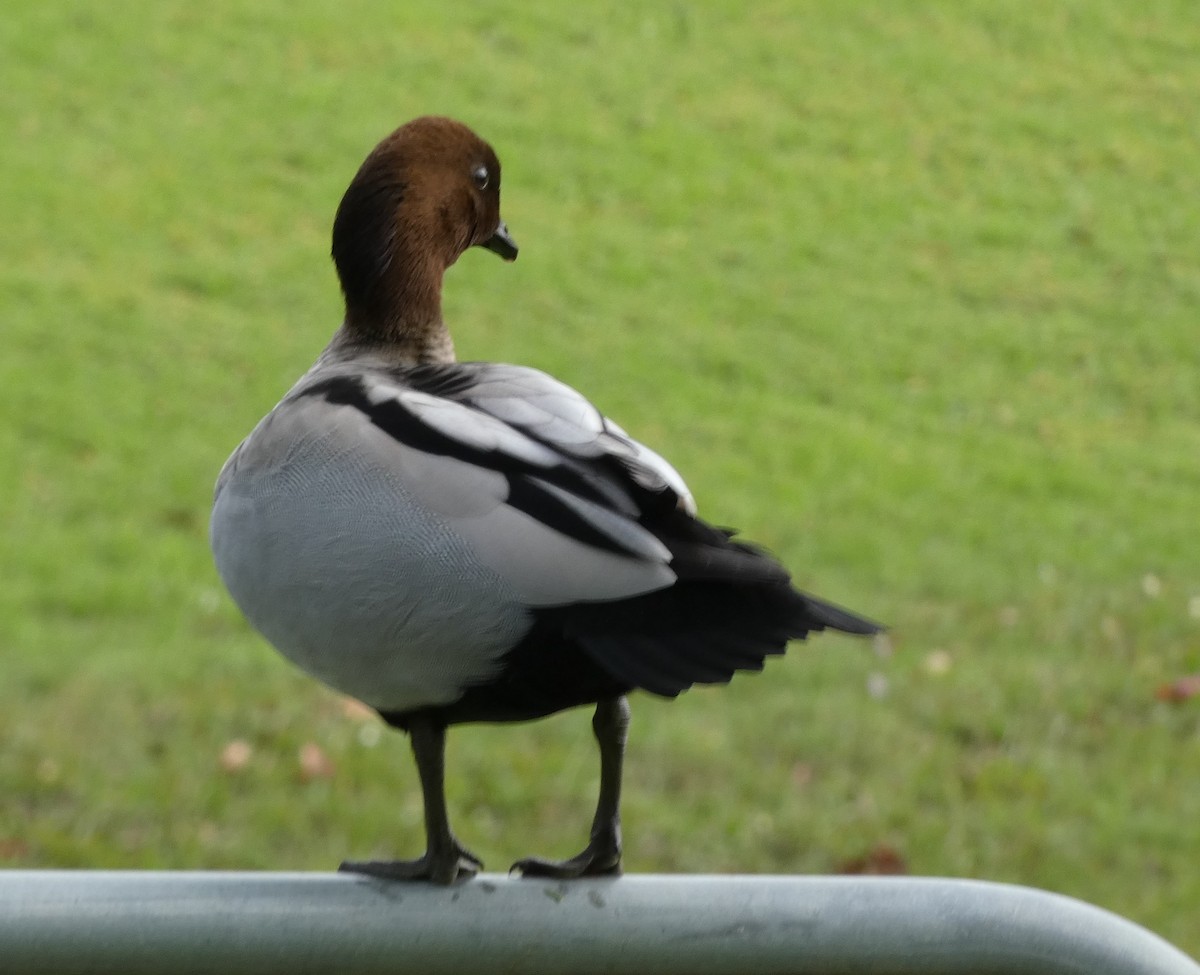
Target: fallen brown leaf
11, 848
314, 763
881, 859
355, 710
236, 756
802, 774
1183, 689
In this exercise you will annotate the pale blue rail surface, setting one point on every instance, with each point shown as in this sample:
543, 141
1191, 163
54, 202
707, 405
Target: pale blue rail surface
83, 922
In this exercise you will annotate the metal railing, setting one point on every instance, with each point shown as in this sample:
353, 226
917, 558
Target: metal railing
149, 922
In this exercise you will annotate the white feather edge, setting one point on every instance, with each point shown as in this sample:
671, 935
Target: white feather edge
529, 397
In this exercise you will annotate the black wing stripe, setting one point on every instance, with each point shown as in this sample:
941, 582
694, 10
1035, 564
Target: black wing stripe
612, 473
391, 416
525, 495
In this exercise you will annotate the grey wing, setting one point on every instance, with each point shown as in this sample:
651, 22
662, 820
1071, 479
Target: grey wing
552, 412
522, 468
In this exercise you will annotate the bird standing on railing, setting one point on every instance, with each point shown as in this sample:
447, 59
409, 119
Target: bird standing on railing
454, 542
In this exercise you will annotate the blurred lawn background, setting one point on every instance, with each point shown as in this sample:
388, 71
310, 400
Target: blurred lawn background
908, 291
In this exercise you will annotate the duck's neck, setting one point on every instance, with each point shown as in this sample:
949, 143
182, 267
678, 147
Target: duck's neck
405, 326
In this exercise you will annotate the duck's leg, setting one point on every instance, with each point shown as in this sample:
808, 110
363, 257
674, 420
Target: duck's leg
445, 859
602, 855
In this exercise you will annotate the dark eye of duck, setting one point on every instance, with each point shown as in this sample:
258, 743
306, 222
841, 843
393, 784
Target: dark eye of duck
481, 177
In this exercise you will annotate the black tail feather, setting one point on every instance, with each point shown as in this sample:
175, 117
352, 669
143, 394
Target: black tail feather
836, 618
696, 632
732, 605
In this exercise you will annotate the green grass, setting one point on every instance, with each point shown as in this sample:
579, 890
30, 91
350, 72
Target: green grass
909, 292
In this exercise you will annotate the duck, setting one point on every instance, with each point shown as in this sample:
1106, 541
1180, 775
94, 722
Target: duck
472, 542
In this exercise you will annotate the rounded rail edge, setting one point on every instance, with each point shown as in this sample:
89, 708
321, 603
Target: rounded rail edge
264, 923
